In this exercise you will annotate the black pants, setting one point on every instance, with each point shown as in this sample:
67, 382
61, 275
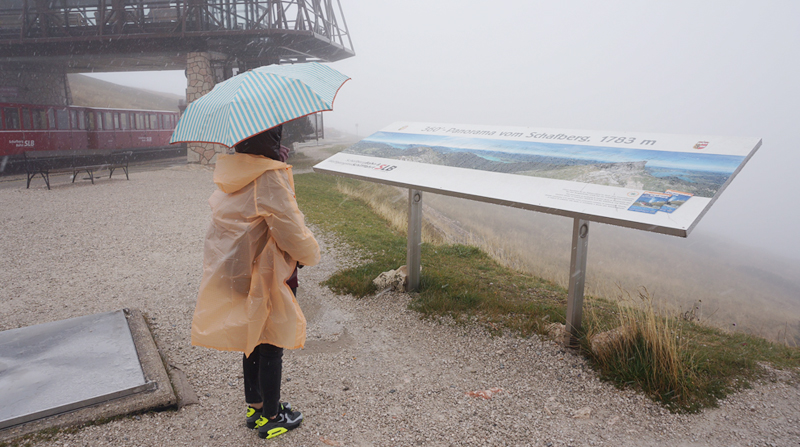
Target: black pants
262, 376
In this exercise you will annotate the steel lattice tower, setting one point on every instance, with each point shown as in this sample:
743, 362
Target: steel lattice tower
114, 35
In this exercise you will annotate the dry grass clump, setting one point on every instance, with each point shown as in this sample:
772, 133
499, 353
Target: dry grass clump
647, 349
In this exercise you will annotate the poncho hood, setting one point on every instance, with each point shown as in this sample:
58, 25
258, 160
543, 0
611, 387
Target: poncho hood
235, 171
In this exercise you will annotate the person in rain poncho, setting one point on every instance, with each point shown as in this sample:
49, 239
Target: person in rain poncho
255, 242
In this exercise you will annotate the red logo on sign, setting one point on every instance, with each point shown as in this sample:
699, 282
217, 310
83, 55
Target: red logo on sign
701, 145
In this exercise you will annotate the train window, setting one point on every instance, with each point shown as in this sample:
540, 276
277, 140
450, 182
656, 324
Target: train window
153, 122
11, 117
91, 124
51, 119
81, 120
39, 118
116, 121
73, 118
62, 117
139, 121
107, 122
26, 119
123, 119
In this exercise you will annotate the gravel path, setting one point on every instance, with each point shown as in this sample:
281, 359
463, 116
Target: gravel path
372, 372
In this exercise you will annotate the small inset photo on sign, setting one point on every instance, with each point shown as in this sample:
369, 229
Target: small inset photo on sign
649, 202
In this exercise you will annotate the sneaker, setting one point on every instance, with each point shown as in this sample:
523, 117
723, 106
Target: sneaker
253, 414
285, 420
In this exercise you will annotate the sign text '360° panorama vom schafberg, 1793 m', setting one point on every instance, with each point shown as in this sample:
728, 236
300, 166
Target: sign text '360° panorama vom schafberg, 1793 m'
544, 136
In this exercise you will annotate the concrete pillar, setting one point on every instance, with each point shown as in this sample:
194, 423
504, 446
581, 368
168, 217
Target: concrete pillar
32, 83
200, 80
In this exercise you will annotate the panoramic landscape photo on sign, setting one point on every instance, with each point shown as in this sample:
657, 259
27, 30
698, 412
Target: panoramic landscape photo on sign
656, 182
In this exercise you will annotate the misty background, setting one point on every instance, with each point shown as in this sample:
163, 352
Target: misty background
699, 68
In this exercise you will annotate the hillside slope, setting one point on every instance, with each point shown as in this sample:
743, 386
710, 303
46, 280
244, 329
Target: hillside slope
91, 92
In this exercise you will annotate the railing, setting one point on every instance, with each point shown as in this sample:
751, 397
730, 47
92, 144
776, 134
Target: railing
45, 19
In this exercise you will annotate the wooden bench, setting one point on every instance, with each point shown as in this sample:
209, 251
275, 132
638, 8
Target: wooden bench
45, 163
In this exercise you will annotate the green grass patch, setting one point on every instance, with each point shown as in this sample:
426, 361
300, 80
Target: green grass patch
378, 248
465, 283
684, 365
457, 281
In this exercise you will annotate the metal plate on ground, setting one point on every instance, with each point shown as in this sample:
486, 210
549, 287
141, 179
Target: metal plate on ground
60, 366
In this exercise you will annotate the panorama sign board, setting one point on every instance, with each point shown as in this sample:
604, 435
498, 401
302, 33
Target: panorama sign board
654, 182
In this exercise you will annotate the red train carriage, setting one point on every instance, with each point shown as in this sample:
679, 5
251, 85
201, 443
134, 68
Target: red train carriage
27, 127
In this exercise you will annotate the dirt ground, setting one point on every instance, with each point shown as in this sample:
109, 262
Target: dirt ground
372, 372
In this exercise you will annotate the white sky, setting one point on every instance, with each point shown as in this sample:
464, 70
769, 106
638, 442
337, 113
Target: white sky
687, 67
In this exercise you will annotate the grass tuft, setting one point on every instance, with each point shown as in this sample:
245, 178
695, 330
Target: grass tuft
651, 352
679, 362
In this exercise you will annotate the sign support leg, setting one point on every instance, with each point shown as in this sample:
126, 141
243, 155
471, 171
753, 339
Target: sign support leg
414, 254
577, 278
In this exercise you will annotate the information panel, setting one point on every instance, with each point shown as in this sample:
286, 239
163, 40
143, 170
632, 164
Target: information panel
654, 182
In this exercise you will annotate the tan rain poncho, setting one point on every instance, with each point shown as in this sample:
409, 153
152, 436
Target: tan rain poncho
256, 237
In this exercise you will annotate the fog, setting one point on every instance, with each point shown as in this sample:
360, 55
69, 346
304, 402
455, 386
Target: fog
707, 68
710, 68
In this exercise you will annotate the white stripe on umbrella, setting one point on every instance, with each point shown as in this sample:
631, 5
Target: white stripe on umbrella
257, 100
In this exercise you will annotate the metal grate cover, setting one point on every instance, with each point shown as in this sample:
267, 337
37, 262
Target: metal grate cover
56, 367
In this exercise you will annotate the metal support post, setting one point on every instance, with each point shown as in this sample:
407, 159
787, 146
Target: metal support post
414, 254
577, 278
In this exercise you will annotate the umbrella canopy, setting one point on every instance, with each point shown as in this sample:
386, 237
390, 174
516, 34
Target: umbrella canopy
257, 100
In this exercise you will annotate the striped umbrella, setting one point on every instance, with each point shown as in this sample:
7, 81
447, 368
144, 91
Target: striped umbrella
257, 100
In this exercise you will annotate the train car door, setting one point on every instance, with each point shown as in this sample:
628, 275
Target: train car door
142, 136
163, 130
61, 133
107, 134
38, 136
29, 135
124, 133
78, 125
91, 130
